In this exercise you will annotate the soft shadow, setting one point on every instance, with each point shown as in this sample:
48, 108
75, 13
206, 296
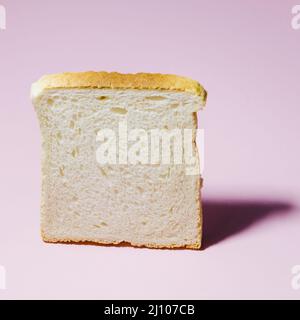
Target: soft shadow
225, 218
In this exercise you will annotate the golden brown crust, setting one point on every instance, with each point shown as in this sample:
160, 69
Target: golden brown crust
194, 246
114, 80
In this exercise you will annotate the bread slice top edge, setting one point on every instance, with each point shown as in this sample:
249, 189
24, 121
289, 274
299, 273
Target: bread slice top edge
114, 80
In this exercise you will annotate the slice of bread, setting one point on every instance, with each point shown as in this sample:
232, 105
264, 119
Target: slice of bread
110, 189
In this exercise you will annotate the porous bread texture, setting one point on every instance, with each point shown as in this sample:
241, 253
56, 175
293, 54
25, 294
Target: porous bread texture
156, 206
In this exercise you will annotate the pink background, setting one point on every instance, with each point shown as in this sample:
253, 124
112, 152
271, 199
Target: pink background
246, 55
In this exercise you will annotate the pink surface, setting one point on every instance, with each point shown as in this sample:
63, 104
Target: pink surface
246, 55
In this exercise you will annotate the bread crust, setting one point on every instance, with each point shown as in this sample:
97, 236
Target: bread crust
194, 246
115, 80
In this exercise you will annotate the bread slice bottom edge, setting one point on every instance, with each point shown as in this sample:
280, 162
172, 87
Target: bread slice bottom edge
194, 246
